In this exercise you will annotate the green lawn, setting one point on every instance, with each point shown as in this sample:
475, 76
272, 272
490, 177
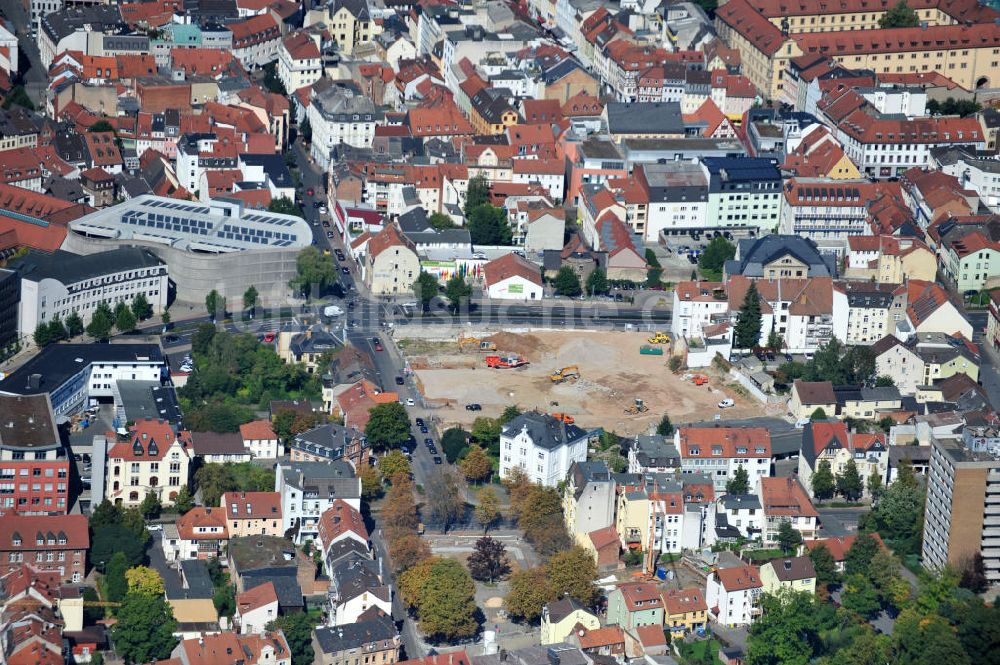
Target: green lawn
694, 652
763, 556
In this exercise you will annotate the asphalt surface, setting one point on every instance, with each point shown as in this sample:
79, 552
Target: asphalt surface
34, 78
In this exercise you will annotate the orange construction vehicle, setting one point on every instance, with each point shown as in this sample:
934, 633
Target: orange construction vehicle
506, 362
699, 379
563, 418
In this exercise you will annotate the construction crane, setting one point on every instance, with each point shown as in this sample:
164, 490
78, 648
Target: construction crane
571, 373
636, 408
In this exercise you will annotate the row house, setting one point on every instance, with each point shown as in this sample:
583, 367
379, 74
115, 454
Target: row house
340, 522
34, 467
697, 306
198, 153
785, 500
252, 513
338, 117
151, 459
864, 312
256, 40
308, 489
199, 533
925, 359
976, 173
889, 259
720, 452
626, 67
833, 442
45, 543
966, 256
800, 310
299, 62
733, 595
665, 513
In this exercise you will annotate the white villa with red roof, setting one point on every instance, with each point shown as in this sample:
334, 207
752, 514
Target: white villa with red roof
153, 458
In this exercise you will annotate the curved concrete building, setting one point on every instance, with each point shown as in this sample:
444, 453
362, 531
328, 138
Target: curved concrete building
212, 245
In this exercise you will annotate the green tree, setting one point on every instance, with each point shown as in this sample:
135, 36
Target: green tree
215, 305
445, 501
101, 322
440, 221
665, 427
57, 329
213, 480
144, 580
788, 537
567, 283
74, 324
305, 130
457, 290
858, 559
315, 272
108, 540
392, 464
477, 466
951, 106
371, 482
973, 574
115, 583
572, 573
183, 502
488, 508
285, 206
141, 309
860, 596
488, 226
150, 506
714, 256
145, 627
250, 298
124, 319
477, 193
101, 126
486, 431
597, 282
849, 483
822, 481
42, 336
425, 288
818, 415
447, 605
787, 632
885, 382
510, 412
775, 341
739, 483
898, 515
746, 334
825, 565
867, 648
388, 426
298, 630
900, 16
874, 484
530, 590
454, 441
17, 96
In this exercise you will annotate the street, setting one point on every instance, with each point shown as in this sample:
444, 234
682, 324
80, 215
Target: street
35, 77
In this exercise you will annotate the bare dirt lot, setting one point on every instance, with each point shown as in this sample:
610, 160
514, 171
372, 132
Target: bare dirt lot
612, 372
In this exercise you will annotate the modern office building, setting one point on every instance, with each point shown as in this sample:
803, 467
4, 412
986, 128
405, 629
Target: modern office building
217, 245
743, 192
58, 284
962, 513
10, 297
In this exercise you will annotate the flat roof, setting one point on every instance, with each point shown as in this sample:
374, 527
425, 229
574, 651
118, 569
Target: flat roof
56, 364
27, 423
216, 226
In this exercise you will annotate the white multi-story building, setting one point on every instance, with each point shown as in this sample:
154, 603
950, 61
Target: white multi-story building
824, 209
259, 438
832, 442
720, 452
307, 489
733, 595
256, 40
337, 116
197, 153
589, 499
56, 285
299, 62
698, 305
979, 175
785, 500
742, 512
544, 448
743, 192
151, 459
800, 310
962, 513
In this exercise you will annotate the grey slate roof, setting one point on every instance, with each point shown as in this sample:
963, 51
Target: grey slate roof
740, 502
656, 451
754, 254
58, 363
326, 440
356, 635
544, 430
644, 118
68, 268
286, 587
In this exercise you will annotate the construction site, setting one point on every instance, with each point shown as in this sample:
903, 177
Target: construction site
617, 380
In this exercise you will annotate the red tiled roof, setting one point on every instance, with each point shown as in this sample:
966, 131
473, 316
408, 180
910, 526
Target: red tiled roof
19, 164
254, 30
511, 265
741, 17
602, 538
785, 497
202, 517
450, 658
645, 592
898, 40
300, 46
258, 596
729, 441
257, 430
389, 236
740, 578
651, 636
251, 505
339, 519
835, 434
30, 528
601, 637
139, 447
838, 546
682, 601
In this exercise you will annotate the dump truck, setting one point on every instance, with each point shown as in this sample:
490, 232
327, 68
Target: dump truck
659, 338
506, 362
636, 408
571, 373
563, 418
649, 350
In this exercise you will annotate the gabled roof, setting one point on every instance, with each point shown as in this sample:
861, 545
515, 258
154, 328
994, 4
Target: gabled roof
508, 266
785, 497
703, 442
740, 578
251, 505
793, 569
339, 519
148, 441
682, 601
200, 517
389, 237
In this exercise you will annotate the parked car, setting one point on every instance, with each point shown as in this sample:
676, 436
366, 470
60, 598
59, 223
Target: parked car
473, 407
410, 402
726, 403
399, 380
419, 422
437, 460
423, 429
345, 270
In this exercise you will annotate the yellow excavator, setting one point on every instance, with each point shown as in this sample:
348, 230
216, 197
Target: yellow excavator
637, 408
659, 338
465, 342
571, 374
